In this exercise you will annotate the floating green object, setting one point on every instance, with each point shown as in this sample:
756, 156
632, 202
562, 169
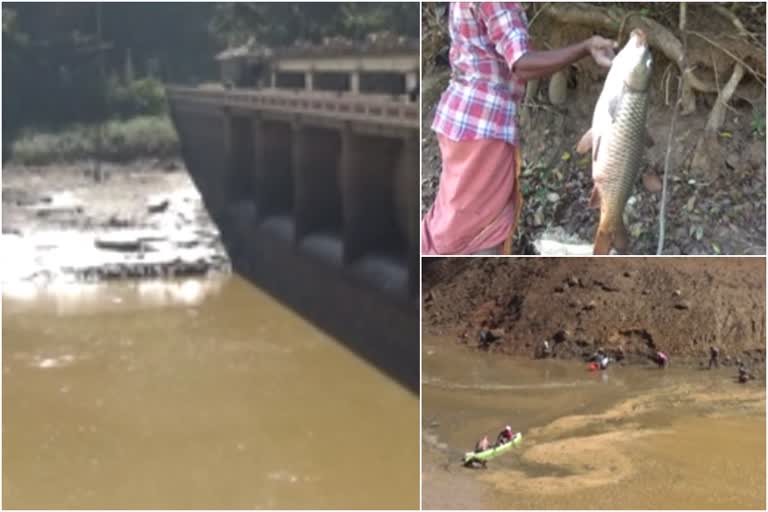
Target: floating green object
494, 452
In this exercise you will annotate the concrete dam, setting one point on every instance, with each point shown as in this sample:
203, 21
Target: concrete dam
309, 166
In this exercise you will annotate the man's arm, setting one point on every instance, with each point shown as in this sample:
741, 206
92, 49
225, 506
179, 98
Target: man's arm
538, 64
507, 29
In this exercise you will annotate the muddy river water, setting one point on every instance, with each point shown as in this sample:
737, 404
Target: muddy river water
194, 394
629, 437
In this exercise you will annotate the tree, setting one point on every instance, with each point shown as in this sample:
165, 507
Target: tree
278, 24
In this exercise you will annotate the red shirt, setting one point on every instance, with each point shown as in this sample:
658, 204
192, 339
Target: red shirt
481, 101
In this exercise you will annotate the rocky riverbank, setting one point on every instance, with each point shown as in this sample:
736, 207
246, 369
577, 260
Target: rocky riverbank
144, 219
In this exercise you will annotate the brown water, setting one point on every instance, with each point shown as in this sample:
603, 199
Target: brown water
626, 438
194, 394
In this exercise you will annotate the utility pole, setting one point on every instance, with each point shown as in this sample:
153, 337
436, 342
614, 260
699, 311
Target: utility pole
98, 173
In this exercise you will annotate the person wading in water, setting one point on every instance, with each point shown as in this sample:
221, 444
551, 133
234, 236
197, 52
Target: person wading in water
714, 356
479, 199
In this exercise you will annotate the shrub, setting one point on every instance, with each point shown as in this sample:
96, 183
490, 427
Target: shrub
137, 98
145, 136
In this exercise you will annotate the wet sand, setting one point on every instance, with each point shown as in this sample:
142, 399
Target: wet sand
625, 438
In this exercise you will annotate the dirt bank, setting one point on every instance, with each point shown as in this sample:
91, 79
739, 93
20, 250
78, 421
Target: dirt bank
629, 305
145, 219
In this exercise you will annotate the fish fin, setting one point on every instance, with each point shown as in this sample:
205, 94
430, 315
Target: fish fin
596, 149
606, 239
603, 241
621, 237
585, 143
594, 199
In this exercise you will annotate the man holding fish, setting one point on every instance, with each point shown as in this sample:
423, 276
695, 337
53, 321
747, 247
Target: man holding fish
479, 200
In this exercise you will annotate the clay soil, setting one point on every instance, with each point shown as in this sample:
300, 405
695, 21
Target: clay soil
632, 306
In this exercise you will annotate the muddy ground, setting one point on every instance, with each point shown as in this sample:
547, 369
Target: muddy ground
719, 210
631, 307
146, 219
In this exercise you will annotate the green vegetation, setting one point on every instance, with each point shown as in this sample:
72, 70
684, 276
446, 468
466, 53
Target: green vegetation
136, 98
286, 23
145, 136
758, 122
78, 63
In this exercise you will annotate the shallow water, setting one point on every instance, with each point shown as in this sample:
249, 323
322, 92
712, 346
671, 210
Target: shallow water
193, 394
625, 438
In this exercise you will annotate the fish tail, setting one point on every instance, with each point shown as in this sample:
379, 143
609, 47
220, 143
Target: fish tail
603, 241
621, 237
612, 236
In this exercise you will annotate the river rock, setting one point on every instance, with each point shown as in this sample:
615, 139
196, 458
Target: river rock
128, 240
119, 220
732, 160
756, 154
118, 242
158, 204
558, 88
60, 203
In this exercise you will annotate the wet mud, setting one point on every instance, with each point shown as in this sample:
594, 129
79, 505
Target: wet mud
146, 219
625, 438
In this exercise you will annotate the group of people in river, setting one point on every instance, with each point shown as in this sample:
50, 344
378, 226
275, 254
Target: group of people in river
744, 375
600, 360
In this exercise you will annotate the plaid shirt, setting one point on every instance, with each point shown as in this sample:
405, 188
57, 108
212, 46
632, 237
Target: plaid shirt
481, 101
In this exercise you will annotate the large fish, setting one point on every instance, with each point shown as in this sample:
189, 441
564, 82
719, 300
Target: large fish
617, 139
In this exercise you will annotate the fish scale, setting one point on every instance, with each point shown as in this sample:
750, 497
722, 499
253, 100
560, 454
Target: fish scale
617, 137
623, 156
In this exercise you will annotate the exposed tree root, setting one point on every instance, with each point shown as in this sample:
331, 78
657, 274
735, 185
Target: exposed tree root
662, 39
717, 114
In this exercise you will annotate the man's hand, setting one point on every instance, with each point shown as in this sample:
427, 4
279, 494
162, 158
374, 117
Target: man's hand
601, 50
538, 64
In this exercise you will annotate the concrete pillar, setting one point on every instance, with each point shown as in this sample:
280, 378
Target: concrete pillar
354, 82
258, 163
411, 81
242, 178
317, 199
308, 82
203, 134
241, 202
214, 153
275, 178
298, 169
367, 185
407, 203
